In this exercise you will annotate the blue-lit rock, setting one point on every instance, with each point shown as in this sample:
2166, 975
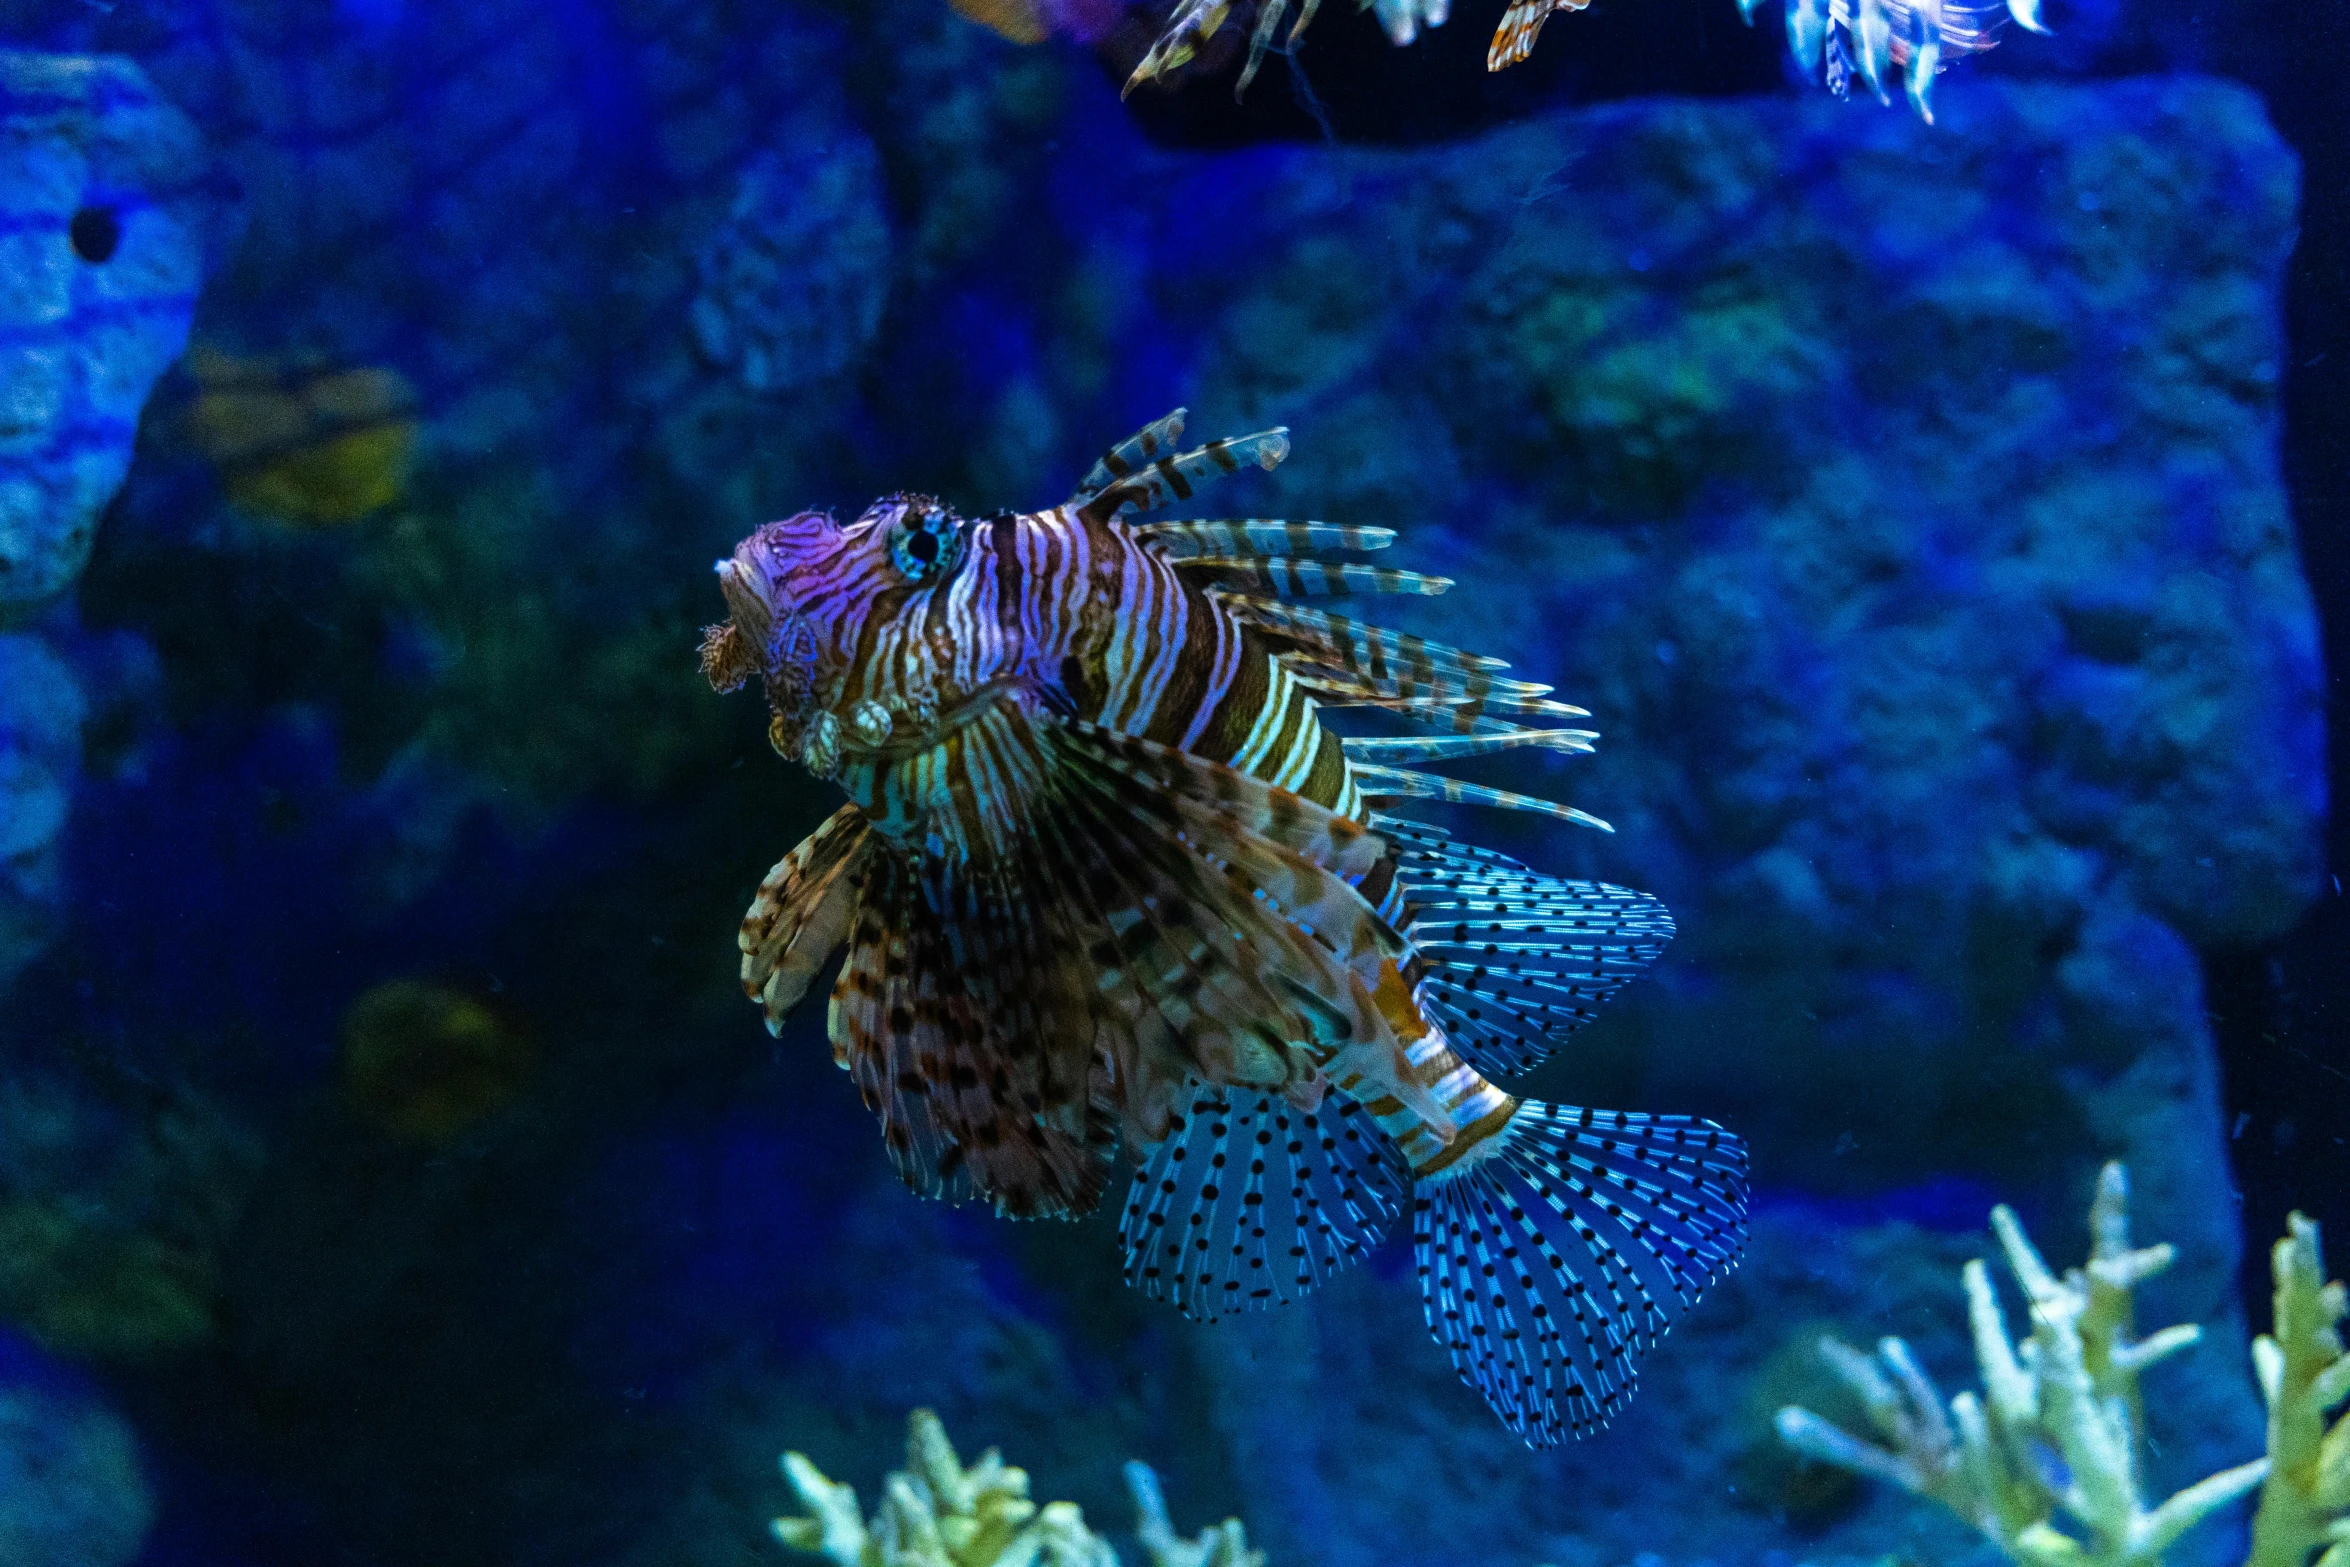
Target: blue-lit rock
41, 715
102, 232
1904, 504
73, 1491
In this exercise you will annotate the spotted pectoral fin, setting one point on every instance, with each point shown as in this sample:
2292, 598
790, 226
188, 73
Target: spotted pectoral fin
1228, 911
972, 1034
802, 913
1254, 1199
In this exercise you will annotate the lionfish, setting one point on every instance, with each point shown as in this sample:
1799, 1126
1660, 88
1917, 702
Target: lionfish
1106, 878
1196, 21
1838, 37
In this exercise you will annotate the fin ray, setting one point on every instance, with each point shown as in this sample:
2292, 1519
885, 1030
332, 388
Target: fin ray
1550, 1265
1137, 451
1186, 540
1252, 1201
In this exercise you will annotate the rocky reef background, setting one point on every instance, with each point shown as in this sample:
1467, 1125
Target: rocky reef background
390, 1172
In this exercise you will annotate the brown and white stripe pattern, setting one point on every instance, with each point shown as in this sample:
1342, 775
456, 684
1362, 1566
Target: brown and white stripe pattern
1105, 866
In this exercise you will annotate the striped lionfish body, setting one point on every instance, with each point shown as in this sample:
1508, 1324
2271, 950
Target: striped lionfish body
1105, 877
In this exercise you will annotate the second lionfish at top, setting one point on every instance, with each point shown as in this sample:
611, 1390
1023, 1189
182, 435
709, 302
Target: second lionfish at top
1105, 878
1831, 39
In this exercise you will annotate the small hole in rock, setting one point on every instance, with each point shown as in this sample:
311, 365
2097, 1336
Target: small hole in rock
95, 232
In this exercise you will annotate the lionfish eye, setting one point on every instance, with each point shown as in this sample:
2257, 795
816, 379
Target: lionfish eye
925, 544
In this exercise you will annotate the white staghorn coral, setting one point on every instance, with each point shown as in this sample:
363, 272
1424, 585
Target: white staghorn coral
937, 1513
2303, 1374
2070, 1390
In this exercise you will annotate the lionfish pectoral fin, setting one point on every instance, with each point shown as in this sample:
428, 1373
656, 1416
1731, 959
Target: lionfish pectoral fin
802, 913
969, 1011
1226, 908
968, 1024
1552, 1261
1510, 961
1114, 918
1253, 1200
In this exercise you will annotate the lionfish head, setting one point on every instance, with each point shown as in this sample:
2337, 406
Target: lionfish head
798, 593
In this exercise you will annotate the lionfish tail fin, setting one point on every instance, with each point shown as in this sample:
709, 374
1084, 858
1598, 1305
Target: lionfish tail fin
802, 913
1510, 961
1551, 1263
1254, 1199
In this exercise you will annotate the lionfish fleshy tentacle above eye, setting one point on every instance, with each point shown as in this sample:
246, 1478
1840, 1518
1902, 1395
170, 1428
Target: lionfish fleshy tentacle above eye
1178, 478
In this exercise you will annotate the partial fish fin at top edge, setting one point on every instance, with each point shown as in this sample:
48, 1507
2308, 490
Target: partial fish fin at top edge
1548, 1267
1194, 22
1521, 24
1260, 39
1252, 1201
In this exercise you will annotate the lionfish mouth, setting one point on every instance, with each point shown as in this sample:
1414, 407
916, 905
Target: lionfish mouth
765, 637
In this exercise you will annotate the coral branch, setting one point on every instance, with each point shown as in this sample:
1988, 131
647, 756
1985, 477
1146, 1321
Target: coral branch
938, 1513
2304, 1374
2071, 1390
